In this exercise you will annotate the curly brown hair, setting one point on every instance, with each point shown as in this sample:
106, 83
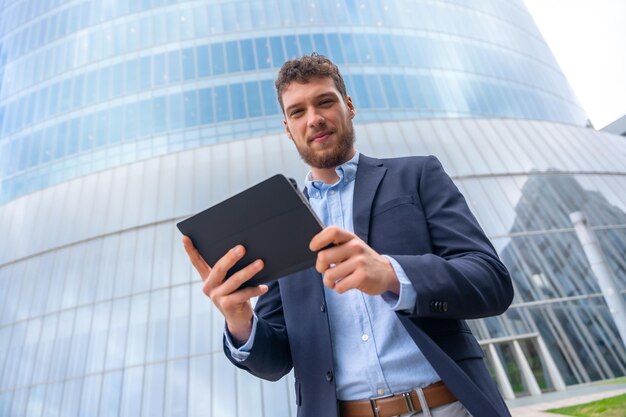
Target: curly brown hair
302, 69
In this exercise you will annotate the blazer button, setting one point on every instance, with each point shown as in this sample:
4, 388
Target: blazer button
323, 307
329, 376
444, 306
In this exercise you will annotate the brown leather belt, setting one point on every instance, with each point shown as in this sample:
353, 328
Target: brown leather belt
394, 405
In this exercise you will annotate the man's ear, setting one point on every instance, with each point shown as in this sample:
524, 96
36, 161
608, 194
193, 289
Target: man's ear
287, 130
351, 107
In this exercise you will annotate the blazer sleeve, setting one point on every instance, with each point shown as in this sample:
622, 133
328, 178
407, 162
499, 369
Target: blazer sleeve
270, 356
462, 277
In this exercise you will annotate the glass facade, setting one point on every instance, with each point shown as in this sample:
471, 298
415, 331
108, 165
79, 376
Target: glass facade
120, 118
87, 85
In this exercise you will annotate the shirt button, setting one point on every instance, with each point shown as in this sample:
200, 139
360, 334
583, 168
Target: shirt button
365, 338
332, 192
381, 391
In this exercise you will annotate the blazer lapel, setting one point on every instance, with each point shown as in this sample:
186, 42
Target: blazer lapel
369, 174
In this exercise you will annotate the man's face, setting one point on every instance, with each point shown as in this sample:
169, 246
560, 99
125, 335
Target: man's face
319, 121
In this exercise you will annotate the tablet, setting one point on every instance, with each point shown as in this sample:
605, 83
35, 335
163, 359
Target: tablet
272, 220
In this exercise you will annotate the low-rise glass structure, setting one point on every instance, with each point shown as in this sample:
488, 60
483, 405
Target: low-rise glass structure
120, 118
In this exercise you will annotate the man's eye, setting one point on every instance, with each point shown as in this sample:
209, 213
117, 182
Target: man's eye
295, 112
325, 102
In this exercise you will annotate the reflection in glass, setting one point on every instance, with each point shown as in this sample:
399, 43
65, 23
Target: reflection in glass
54, 397
111, 394
178, 332
200, 398
71, 397
79, 343
223, 386
157, 326
133, 386
548, 265
90, 396
153, 399
116, 340
35, 402
513, 372
537, 365
176, 389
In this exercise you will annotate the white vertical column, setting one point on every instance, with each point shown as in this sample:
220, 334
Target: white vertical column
599, 266
527, 373
503, 380
551, 368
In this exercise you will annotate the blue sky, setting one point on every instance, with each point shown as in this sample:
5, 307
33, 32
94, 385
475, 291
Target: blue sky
588, 39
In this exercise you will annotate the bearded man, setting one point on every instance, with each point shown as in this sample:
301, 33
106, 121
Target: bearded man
377, 327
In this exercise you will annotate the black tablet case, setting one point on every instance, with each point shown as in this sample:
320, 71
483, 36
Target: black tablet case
272, 220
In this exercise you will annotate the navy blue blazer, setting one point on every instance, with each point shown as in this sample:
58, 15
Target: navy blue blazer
408, 208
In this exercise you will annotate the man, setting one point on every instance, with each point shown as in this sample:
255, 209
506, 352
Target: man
380, 332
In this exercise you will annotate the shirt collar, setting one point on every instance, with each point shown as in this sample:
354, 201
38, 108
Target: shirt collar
345, 171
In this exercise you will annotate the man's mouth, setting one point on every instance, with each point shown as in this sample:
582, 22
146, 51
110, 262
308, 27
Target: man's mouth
320, 137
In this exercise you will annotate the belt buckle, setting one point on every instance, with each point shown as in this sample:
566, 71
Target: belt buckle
373, 403
408, 401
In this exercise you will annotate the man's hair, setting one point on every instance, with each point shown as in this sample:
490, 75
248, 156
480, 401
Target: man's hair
303, 69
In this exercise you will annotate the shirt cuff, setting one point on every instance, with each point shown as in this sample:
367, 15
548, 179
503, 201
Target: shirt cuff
405, 301
241, 354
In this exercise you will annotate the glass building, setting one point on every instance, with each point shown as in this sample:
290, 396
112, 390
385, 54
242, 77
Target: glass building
119, 118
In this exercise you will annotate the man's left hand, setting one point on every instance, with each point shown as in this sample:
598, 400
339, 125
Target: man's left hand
351, 263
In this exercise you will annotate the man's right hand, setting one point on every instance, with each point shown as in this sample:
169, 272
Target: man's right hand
234, 304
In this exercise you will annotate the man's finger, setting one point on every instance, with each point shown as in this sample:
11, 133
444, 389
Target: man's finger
333, 256
196, 259
231, 285
243, 295
238, 278
348, 283
339, 272
331, 234
221, 267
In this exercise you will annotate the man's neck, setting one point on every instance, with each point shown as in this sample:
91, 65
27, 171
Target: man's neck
329, 175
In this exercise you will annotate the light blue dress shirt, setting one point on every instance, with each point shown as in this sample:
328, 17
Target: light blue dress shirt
373, 354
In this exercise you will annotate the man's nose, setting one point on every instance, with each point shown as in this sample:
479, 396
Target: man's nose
316, 119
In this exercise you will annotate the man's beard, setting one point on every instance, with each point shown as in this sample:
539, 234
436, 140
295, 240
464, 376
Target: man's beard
330, 157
